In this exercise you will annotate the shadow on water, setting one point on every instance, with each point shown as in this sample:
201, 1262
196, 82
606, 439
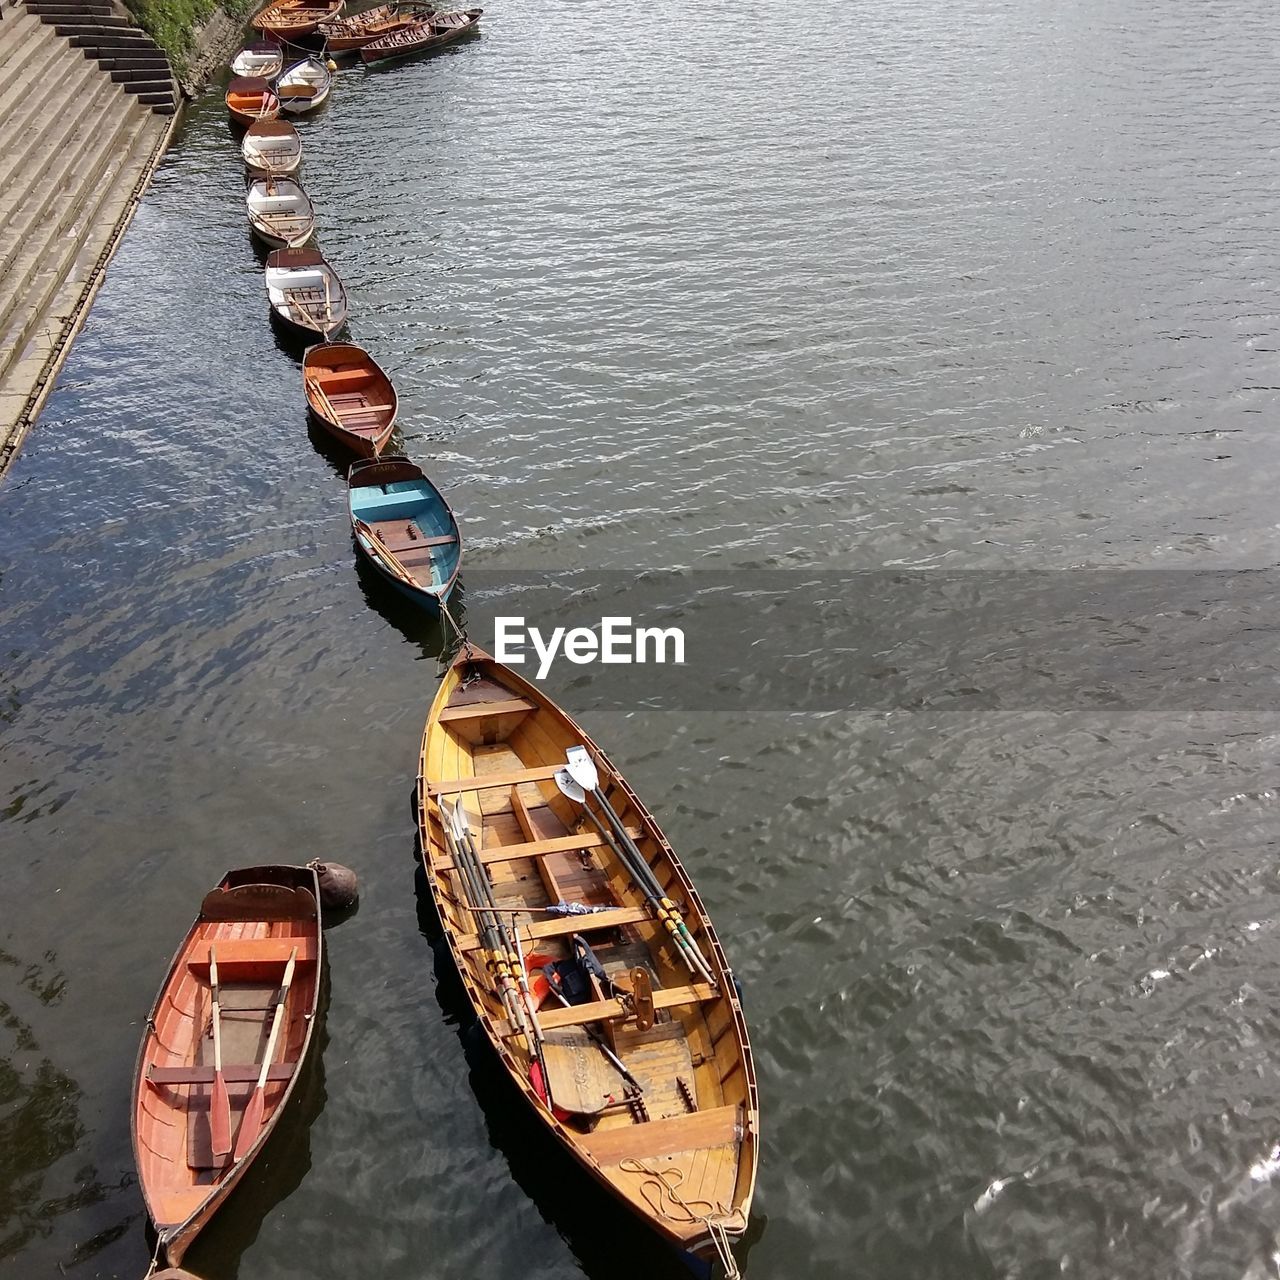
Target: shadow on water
428, 629
41, 1128
608, 1242
275, 1175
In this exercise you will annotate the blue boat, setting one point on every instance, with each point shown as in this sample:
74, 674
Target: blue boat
404, 527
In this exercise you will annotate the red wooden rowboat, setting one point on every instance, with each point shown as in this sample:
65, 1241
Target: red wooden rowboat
251, 924
350, 396
251, 98
346, 35
426, 34
289, 19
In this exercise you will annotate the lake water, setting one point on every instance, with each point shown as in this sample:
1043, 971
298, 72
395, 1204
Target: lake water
792, 304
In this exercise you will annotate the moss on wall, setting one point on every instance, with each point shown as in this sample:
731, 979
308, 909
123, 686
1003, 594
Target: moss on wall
172, 24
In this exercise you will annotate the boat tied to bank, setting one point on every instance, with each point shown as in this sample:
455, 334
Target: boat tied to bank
350, 395
424, 35
304, 86
347, 35
224, 1044
251, 98
280, 212
261, 58
271, 147
288, 20
590, 962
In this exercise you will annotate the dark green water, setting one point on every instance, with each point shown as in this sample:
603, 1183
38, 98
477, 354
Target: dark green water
978, 286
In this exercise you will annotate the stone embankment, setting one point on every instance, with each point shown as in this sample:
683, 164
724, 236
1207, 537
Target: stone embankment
87, 102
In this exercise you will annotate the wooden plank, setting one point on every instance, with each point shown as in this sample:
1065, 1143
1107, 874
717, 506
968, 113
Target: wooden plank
477, 710
204, 1075
233, 952
536, 848
494, 781
596, 1010
711, 1128
570, 924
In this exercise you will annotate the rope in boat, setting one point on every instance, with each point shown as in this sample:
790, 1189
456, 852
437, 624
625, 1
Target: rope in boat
666, 1181
458, 630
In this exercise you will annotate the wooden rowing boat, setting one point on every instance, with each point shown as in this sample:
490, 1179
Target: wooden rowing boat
262, 58
272, 147
346, 35
289, 19
280, 212
423, 35
305, 292
250, 924
494, 742
404, 527
304, 86
350, 396
250, 98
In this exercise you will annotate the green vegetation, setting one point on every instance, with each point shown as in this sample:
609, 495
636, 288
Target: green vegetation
172, 24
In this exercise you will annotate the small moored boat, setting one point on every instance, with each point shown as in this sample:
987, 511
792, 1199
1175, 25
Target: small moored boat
304, 86
272, 146
404, 527
280, 212
262, 58
424, 35
305, 292
623, 1029
346, 35
250, 98
350, 396
224, 1045
289, 19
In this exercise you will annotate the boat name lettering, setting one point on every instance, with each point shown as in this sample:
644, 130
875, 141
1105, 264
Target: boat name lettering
617, 641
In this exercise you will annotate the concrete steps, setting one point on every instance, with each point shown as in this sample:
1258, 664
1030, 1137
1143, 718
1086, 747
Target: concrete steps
78, 146
108, 35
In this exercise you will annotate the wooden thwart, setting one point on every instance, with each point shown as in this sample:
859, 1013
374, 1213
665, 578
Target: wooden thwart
478, 710
204, 1075
711, 1128
536, 848
493, 781
570, 924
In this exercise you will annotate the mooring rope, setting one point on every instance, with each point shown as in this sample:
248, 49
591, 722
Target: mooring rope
712, 1219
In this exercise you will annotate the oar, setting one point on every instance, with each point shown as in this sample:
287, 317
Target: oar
314, 384
220, 1103
251, 1123
580, 778
384, 555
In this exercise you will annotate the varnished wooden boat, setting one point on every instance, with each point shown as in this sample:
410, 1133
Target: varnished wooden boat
250, 98
280, 212
305, 292
304, 86
423, 36
494, 742
350, 396
262, 58
289, 19
346, 35
251, 923
404, 527
272, 146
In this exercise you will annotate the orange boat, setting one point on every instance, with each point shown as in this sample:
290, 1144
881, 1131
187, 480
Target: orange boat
350, 396
624, 1032
250, 98
225, 1042
346, 35
288, 19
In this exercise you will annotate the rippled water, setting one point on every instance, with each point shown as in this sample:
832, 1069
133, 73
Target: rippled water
984, 284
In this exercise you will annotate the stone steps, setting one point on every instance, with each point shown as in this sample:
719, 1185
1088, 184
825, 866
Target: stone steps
107, 34
77, 147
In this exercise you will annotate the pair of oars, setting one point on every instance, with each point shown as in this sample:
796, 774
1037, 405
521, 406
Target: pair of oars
511, 961
578, 779
220, 1103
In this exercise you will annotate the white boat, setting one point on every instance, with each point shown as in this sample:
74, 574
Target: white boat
262, 58
280, 212
272, 147
305, 292
304, 86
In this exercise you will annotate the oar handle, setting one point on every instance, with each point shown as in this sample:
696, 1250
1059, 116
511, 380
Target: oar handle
276, 1019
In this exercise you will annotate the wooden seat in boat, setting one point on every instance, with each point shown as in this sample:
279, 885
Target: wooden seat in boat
199, 1074
714, 1127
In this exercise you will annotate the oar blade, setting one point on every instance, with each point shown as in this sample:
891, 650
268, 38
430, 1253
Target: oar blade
220, 1116
569, 787
582, 768
251, 1124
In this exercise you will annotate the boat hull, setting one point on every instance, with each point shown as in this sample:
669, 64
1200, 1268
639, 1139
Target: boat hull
254, 919
360, 389
485, 721
432, 37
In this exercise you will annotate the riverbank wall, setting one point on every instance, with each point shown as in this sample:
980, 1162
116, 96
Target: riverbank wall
87, 103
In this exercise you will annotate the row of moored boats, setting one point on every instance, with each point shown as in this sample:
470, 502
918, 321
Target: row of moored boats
587, 956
